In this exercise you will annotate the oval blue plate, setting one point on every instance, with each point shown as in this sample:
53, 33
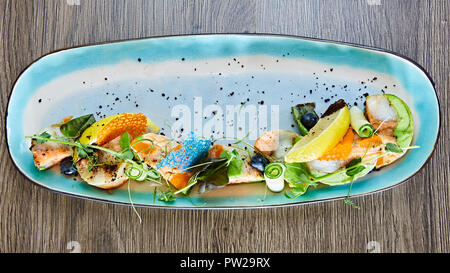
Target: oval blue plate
157, 76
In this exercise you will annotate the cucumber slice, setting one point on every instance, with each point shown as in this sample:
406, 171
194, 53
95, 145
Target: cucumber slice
405, 126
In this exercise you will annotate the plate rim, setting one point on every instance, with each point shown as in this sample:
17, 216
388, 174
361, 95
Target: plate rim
329, 41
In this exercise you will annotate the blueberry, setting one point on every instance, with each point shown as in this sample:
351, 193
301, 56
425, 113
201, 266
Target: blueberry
66, 166
309, 120
259, 162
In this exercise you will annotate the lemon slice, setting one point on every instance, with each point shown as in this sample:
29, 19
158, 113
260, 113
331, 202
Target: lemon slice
107, 129
321, 138
152, 127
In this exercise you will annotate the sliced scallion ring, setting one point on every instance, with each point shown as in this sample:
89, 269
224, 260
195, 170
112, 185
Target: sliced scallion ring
274, 176
134, 172
359, 123
140, 172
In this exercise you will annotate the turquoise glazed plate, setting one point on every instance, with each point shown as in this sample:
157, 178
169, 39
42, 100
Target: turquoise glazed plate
245, 83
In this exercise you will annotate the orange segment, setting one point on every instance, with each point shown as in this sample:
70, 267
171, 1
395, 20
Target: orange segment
342, 150
180, 180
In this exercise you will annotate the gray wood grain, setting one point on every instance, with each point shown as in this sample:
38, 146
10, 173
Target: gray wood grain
413, 217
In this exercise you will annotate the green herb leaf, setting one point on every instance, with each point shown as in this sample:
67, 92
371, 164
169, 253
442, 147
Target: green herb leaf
126, 153
354, 167
167, 196
296, 191
75, 127
394, 148
356, 170
354, 162
299, 177
44, 134
125, 141
350, 202
235, 165
298, 173
82, 153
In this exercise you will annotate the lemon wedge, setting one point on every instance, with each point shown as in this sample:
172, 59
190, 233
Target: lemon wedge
326, 134
152, 127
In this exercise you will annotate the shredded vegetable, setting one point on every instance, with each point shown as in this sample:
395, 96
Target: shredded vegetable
274, 176
140, 172
359, 123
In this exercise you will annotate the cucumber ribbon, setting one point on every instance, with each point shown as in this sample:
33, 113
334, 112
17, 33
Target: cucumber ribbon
359, 123
274, 176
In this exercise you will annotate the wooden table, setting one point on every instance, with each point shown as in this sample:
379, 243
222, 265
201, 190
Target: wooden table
413, 217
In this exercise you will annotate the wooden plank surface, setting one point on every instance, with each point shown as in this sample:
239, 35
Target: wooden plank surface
413, 217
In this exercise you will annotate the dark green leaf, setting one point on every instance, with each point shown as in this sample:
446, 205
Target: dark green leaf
392, 147
44, 134
355, 170
354, 162
217, 175
216, 172
298, 111
353, 167
83, 151
75, 127
205, 170
297, 117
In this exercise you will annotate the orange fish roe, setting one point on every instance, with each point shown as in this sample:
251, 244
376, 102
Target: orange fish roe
134, 124
180, 180
342, 150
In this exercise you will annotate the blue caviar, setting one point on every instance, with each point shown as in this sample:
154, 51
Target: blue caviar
192, 150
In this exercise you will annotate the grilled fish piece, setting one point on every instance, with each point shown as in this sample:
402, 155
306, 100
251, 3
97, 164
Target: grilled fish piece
108, 173
48, 154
